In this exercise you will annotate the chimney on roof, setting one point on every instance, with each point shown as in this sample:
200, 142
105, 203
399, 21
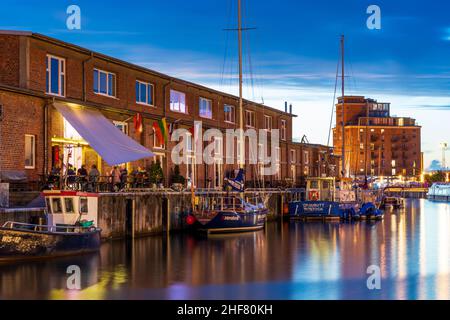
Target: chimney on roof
285, 106
290, 108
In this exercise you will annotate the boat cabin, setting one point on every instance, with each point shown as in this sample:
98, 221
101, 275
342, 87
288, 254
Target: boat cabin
70, 207
326, 189
320, 189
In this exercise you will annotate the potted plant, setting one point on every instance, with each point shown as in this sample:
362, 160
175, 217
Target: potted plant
155, 174
178, 180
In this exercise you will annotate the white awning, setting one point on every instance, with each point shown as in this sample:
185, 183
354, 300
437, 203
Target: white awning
109, 142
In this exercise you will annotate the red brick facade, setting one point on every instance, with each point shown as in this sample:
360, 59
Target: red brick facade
376, 143
27, 109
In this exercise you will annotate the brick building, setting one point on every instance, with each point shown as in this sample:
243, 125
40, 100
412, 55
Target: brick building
376, 143
37, 71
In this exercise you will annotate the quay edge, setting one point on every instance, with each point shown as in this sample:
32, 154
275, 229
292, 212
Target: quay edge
137, 214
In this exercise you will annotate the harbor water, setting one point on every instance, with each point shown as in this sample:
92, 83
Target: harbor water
288, 260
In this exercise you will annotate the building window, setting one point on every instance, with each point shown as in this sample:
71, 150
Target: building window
229, 112
159, 158
361, 146
122, 126
218, 149
205, 108
268, 123
394, 172
250, 119
55, 68
30, 149
293, 157
189, 142
178, 101
70, 132
393, 163
306, 171
190, 171
238, 152
277, 163
306, 157
104, 83
283, 129
144, 93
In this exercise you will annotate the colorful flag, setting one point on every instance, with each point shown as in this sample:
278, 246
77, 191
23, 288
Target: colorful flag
163, 126
158, 132
137, 119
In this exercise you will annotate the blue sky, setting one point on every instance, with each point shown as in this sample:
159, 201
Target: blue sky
292, 52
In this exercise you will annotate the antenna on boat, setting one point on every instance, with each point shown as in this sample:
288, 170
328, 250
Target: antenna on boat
241, 101
343, 104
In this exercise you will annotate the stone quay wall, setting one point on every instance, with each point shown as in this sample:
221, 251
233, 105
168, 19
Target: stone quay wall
137, 214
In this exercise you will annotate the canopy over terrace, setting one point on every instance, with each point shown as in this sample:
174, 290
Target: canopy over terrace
103, 136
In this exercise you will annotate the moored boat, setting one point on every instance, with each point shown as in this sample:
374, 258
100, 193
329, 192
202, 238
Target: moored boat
324, 201
70, 228
439, 192
225, 214
392, 202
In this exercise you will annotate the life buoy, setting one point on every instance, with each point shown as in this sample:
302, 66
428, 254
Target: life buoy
313, 195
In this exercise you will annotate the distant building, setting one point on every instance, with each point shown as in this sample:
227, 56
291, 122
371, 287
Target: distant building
376, 143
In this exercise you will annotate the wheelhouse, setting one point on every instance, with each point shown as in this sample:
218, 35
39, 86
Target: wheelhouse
68, 207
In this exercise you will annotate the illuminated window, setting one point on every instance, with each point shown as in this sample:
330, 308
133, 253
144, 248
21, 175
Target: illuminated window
229, 112
189, 142
306, 157
205, 108
293, 156
178, 101
55, 74
283, 129
30, 151
122, 126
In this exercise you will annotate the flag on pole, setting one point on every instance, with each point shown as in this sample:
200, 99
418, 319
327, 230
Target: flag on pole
158, 132
137, 119
163, 127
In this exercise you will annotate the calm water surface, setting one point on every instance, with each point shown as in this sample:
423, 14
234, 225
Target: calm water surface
290, 260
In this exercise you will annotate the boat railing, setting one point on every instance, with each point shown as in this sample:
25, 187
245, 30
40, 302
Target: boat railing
43, 228
217, 202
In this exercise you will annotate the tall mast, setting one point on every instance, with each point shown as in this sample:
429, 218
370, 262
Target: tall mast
343, 105
241, 111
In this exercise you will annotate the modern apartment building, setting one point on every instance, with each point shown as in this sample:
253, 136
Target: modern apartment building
37, 73
376, 143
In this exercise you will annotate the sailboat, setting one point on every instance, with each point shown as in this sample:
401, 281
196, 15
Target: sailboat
232, 212
328, 200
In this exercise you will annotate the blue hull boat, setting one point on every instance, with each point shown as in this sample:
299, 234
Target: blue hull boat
228, 221
329, 210
325, 210
19, 241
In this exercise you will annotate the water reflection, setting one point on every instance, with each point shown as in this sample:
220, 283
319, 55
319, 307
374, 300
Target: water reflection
289, 260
